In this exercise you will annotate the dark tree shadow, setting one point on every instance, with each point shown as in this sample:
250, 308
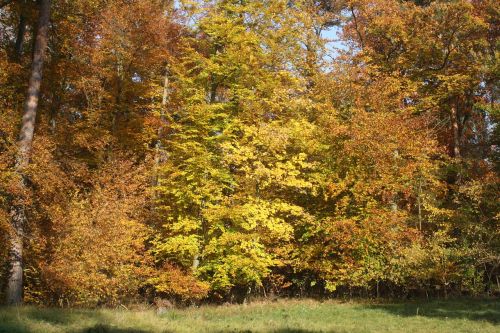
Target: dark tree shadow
470, 309
279, 330
67, 318
6, 328
57, 317
297, 330
99, 328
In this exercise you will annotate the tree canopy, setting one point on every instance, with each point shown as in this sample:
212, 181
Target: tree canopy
218, 149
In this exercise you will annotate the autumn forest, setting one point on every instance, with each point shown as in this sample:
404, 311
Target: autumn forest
219, 150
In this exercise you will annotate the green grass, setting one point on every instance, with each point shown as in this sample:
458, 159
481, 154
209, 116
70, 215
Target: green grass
285, 316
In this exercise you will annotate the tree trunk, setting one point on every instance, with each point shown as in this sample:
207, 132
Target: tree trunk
14, 291
455, 132
419, 203
21, 31
159, 153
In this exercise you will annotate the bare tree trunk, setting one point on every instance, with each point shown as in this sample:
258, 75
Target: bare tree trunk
419, 203
159, 153
20, 36
21, 31
455, 132
14, 291
394, 196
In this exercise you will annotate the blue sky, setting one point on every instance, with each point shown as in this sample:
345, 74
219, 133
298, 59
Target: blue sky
334, 44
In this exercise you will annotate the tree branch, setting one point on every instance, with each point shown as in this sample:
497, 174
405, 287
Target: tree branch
361, 42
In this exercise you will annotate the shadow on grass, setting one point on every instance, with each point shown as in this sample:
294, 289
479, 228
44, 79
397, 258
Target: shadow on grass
476, 310
292, 330
7, 328
55, 316
280, 330
99, 328
16, 321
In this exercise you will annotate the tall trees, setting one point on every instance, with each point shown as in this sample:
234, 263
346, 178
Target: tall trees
219, 148
18, 213
99, 104
232, 187
111, 62
440, 52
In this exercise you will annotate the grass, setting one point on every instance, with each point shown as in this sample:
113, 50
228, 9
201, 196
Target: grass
284, 316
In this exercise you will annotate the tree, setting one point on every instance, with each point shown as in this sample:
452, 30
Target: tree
18, 213
213, 149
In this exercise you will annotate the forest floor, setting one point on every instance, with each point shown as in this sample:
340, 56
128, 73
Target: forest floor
283, 316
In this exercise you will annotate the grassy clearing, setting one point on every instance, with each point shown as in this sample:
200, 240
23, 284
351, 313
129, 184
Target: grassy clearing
285, 316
